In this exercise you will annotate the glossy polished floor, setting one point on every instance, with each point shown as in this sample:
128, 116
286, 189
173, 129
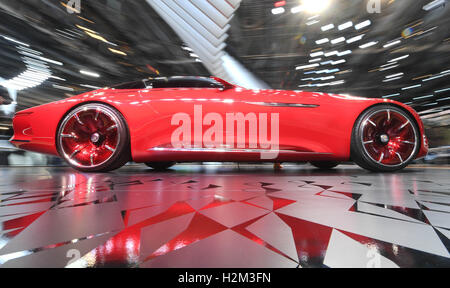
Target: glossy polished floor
224, 216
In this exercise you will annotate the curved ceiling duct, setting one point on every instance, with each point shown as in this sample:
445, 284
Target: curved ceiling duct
203, 26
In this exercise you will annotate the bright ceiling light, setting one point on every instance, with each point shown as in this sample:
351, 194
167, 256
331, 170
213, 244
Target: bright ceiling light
343, 53
338, 40
423, 97
331, 53
392, 79
327, 27
389, 44
367, 45
345, 25
278, 10
315, 6
117, 52
338, 62
354, 39
322, 41
315, 54
15, 41
89, 73
388, 68
399, 58
412, 87
394, 75
434, 4
306, 66
363, 24
442, 90
315, 60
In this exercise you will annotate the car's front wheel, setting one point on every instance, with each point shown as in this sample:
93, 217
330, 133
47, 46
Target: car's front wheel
94, 138
385, 139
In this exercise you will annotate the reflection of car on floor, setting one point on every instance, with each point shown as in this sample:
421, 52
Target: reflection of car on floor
212, 120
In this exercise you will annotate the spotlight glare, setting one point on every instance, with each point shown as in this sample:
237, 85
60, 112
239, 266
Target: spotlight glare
296, 9
315, 6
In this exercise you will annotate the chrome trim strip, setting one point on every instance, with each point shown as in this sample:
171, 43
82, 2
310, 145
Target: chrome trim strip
276, 104
221, 150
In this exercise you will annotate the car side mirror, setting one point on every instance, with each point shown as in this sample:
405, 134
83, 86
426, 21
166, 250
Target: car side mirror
225, 85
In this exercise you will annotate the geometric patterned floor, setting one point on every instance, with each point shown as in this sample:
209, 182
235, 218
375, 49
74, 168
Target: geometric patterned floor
224, 216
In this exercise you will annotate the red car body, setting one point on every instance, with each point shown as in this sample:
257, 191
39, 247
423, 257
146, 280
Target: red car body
312, 126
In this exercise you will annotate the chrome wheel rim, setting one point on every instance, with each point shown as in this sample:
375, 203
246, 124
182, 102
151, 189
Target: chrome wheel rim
89, 136
389, 138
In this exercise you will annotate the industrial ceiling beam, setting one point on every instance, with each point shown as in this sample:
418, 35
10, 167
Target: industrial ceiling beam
203, 26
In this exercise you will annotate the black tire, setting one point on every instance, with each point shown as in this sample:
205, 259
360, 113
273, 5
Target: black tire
325, 165
160, 166
359, 151
120, 154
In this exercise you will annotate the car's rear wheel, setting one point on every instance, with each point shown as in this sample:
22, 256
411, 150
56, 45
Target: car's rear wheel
325, 165
94, 138
160, 166
385, 139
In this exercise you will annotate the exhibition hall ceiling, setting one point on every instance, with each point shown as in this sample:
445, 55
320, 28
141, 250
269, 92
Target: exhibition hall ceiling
107, 43
335, 46
402, 53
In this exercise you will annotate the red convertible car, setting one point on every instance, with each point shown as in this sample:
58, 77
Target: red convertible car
162, 121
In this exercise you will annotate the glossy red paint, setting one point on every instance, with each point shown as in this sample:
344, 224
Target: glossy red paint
319, 130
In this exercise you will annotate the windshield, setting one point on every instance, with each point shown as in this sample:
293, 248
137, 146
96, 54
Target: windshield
183, 82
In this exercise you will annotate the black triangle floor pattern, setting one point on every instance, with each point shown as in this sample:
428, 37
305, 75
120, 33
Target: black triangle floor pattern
224, 217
